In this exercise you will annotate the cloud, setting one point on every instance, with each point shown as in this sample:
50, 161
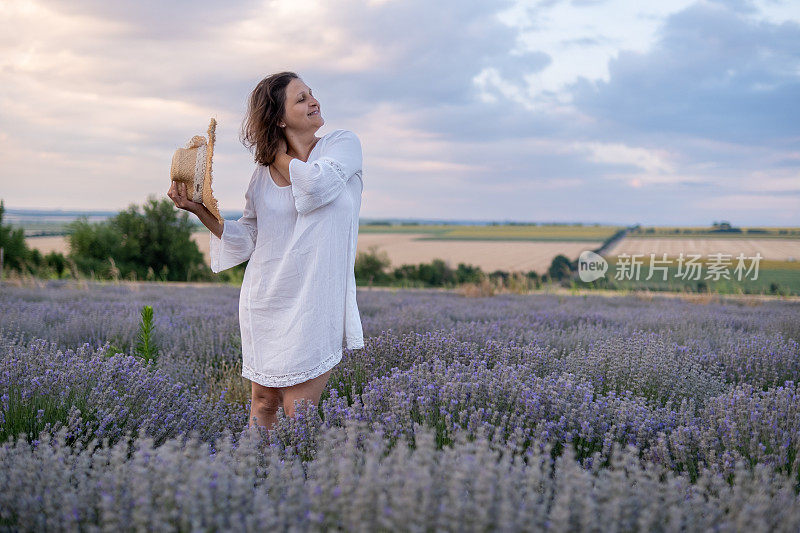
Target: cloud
648, 160
581, 37
753, 202
713, 73
573, 110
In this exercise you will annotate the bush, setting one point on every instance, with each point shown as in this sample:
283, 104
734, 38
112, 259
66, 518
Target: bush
468, 274
57, 262
560, 268
155, 242
370, 266
436, 273
15, 252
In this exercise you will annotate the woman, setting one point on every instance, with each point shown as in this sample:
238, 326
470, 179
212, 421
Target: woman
299, 230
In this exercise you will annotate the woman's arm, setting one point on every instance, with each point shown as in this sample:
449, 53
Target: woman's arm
209, 220
281, 163
317, 183
179, 195
237, 238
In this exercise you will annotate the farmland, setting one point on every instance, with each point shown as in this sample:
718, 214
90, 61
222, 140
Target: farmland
775, 249
508, 248
772, 277
502, 232
524, 248
505, 413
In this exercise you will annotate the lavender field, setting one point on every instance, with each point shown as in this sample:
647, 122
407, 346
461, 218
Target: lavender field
506, 413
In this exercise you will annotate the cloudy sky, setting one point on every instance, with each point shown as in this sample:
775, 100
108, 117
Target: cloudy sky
680, 112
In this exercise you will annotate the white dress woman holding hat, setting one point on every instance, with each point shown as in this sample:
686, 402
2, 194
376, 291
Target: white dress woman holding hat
298, 232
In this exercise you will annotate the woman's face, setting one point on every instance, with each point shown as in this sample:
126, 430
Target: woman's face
302, 111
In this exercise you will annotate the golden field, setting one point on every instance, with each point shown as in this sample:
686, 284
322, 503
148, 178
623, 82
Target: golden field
406, 248
769, 248
519, 248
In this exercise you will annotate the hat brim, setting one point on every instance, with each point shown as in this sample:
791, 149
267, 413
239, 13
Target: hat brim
208, 194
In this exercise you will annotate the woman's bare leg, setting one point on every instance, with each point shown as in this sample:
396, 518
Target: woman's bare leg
264, 405
310, 391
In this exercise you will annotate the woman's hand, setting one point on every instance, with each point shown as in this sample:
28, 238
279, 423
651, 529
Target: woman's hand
177, 192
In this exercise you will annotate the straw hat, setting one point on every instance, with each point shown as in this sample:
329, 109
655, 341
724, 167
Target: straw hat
192, 165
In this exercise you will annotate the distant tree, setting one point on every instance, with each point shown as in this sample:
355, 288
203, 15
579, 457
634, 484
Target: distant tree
436, 273
159, 238
154, 242
499, 274
91, 245
15, 251
57, 262
406, 272
35, 259
370, 266
559, 268
468, 274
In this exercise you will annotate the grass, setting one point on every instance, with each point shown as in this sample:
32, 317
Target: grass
774, 277
501, 232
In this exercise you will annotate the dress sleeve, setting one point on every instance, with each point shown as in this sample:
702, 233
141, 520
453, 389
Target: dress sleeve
318, 182
238, 236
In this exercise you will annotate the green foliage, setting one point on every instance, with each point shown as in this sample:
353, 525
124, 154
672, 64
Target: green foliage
57, 262
91, 244
15, 252
18, 257
560, 268
370, 266
154, 243
30, 414
145, 348
468, 274
233, 275
436, 273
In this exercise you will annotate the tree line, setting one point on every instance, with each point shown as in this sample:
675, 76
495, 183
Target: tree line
149, 242
153, 242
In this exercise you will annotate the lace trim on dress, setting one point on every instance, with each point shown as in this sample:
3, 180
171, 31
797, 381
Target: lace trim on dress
337, 167
286, 380
357, 342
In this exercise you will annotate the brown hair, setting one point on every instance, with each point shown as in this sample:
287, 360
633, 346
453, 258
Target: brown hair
260, 128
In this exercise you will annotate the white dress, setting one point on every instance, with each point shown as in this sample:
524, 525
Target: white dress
297, 305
